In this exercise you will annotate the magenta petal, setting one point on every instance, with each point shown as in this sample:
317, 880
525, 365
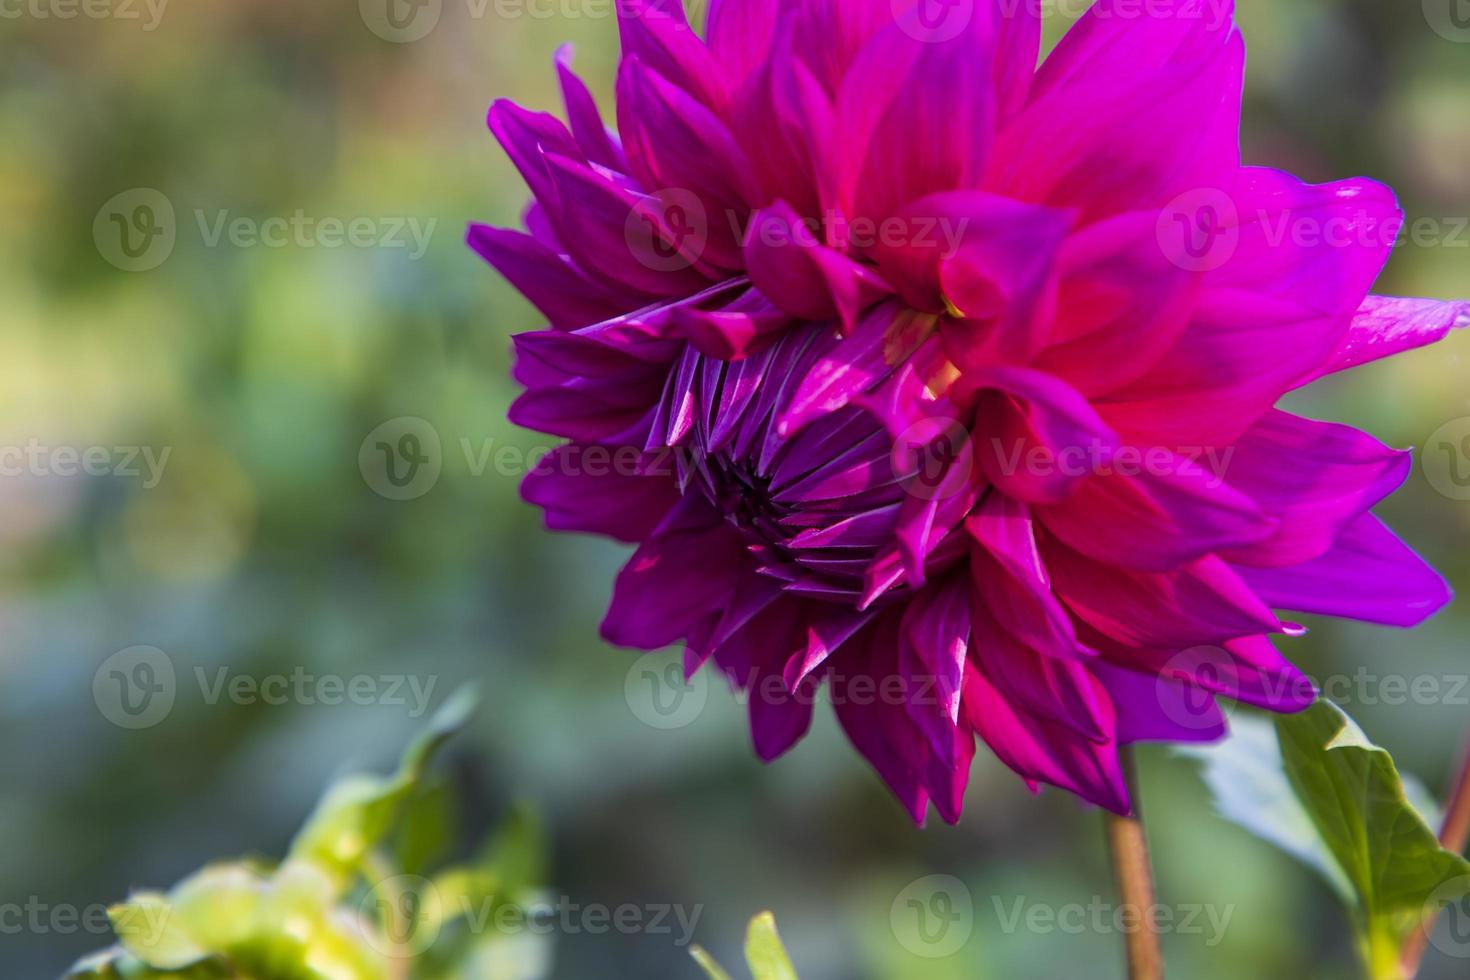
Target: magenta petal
1200, 603
1121, 304
1315, 478
1037, 438
1369, 574
850, 368
1043, 752
880, 728
556, 287
679, 149
926, 520
1012, 580
978, 254
830, 34
1278, 290
623, 237
598, 145
1017, 49
784, 111
1159, 115
657, 33
526, 137
1172, 512
1386, 325
735, 330
1120, 39
1061, 693
593, 490
1158, 709
916, 114
740, 34
935, 638
693, 554
825, 634
805, 278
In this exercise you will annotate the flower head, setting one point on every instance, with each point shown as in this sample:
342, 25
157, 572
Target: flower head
948, 383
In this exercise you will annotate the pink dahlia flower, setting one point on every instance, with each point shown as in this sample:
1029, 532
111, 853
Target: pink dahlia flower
947, 382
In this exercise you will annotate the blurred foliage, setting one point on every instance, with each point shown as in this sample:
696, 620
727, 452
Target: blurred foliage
263, 550
764, 953
338, 907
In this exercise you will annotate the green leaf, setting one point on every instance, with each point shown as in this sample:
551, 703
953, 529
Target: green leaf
708, 963
764, 953
358, 811
1353, 793
516, 855
1334, 799
427, 829
150, 929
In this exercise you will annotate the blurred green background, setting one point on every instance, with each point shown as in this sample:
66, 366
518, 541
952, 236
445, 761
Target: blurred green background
264, 551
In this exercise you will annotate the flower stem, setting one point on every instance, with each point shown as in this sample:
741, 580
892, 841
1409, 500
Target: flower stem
1454, 834
1128, 844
